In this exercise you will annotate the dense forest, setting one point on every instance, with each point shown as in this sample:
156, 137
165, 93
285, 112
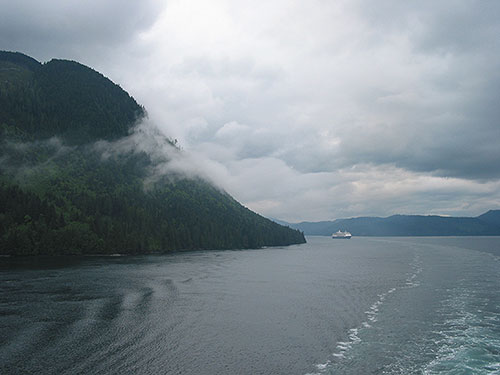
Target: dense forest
62, 191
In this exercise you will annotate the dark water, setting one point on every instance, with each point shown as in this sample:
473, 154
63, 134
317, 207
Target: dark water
359, 306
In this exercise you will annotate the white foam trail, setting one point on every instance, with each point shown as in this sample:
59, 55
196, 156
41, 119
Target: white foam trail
343, 347
322, 366
416, 266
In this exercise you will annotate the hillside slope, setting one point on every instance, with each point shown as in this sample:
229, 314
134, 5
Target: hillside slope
76, 176
492, 217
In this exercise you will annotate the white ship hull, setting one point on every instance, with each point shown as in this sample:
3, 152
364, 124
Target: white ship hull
342, 235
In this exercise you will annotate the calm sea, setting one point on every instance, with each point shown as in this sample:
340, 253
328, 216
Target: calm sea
359, 306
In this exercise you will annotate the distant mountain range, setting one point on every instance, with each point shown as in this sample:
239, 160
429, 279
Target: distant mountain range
487, 224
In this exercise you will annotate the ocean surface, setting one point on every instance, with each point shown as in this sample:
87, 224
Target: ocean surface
359, 306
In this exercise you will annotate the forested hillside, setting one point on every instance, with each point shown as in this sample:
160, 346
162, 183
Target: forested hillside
65, 189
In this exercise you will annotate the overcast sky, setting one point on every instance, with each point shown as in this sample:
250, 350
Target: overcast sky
302, 110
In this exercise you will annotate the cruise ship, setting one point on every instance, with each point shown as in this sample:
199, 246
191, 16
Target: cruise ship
342, 234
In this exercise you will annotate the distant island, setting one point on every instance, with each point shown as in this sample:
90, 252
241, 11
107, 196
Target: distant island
80, 173
487, 224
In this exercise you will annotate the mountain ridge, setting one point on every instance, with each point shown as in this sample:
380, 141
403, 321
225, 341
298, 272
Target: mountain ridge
63, 98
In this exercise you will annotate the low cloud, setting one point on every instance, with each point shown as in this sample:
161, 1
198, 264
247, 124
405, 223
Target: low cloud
22, 160
168, 160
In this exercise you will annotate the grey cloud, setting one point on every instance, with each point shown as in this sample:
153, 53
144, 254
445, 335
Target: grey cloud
337, 108
447, 26
458, 138
241, 86
54, 28
223, 68
446, 121
459, 28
